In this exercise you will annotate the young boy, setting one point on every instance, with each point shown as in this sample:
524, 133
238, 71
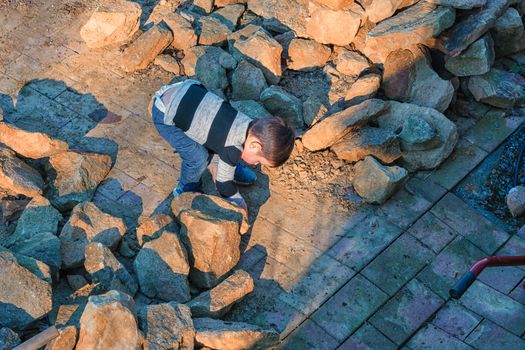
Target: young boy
201, 126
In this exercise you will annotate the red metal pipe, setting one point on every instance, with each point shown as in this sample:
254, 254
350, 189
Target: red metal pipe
490, 261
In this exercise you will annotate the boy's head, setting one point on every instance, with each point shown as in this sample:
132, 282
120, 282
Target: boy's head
269, 142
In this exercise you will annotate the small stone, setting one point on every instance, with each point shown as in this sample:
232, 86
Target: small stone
212, 31
203, 6
460, 4
305, 54
230, 15
509, 33
8, 339
516, 200
328, 26
475, 60
417, 135
184, 36
153, 227
498, 88
18, 178
168, 63
351, 63
66, 339
364, 88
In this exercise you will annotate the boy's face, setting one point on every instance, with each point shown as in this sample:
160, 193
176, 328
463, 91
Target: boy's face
252, 152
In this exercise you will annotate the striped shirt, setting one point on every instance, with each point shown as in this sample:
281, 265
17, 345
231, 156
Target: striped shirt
209, 120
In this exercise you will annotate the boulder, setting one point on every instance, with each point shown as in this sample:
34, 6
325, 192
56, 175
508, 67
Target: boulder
44, 246
18, 178
24, 297
498, 88
460, 4
260, 49
516, 201
376, 182
294, 13
217, 302
331, 129
114, 22
162, 269
229, 15
106, 270
153, 227
281, 103
11, 208
184, 35
336, 4
168, 63
410, 27
475, 60
88, 224
328, 26
417, 135
28, 144
217, 334
8, 339
378, 10
394, 120
306, 54
351, 63
109, 322
252, 109
363, 89
202, 6
314, 109
73, 177
211, 55
212, 31
36, 267
143, 51
248, 82
471, 27
167, 326
212, 76
211, 205
508, 33
382, 144
66, 340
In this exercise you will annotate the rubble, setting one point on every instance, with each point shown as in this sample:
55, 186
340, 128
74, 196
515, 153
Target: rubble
16, 177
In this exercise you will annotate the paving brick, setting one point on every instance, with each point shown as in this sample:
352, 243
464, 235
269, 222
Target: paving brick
502, 279
364, 241
491, 130
518, 293
367, 338
405, 208
344, 312
456, 320
431, 337
406, 311
309, 336
48, 87
323, 278
449, 266
495, 306
432, 232
463, 159
468, 223
425, 188
23, 68
398, 263
490, 334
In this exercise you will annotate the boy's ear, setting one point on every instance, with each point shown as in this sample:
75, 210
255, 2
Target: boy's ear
255, 144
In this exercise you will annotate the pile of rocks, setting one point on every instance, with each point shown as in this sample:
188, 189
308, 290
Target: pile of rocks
319, 64
182, 274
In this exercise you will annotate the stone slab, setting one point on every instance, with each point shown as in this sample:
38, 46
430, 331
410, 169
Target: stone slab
368, 338
432, 232
435, 338
498, 338
404, 208
309, 336
456, 320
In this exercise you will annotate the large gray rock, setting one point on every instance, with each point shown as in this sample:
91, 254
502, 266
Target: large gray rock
8, 339
412, 26
73, 177
382, 144
331, 129
45, 246
212, 76
109, 322
106, 270
114, 22
375, 182
24, 297
516, 200
210, 55
167, 326
281, 103
498, 88
475, 60
446, 130
217, 334
460, 4
508, 33
16, 177
470, 28
217, 302
162, 269
88, 224
248, 82
251, 108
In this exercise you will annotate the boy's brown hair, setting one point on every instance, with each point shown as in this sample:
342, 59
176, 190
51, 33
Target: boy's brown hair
276, 136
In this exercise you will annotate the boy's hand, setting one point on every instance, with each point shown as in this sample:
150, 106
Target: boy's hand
238, 201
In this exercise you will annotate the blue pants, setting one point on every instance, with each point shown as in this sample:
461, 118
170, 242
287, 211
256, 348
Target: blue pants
195, 157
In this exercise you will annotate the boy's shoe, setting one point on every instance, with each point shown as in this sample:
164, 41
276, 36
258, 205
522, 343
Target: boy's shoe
244, 176
191, 187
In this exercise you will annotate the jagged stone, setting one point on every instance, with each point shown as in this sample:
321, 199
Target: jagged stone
202, 6
114, 22
460, 4
212, 55
76, 281
252, 109
327, 26
336, 4
248, 82
153, 227
282, 104
30, 144
168, 63
217, 302
16, 177
307, 54
212, 31
363, 89
351, 63
45, 246
331, 129
378, 10
229, 15
106, 270
417, 135
162, 269
475, 60
73, 177
88, 224
294, 14
382, 144
66, 340
498, 88
167, 326
184, 35
8, 339
509, 33
375, 182
213, 76
108, 322
36, 267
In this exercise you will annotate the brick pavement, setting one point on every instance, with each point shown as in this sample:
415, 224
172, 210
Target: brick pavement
326, 279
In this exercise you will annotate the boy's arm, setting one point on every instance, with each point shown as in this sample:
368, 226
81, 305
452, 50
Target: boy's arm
225, 184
